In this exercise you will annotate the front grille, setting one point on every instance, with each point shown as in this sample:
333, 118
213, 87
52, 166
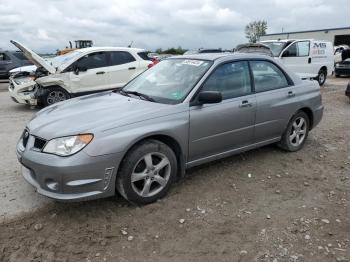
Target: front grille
25, 137
39, 143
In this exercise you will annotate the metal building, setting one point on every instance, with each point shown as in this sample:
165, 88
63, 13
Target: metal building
337, 36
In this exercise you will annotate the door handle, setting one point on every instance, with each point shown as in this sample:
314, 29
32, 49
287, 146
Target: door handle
131, 68
100, 73
291, 94
245, 103
309, 60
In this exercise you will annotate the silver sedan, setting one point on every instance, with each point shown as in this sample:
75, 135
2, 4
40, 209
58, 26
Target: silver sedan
183, 112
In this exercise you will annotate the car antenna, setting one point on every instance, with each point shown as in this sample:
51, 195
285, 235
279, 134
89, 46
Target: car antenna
131, 44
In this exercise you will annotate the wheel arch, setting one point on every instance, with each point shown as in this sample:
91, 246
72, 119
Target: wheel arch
310, 115
170, 142
323, 68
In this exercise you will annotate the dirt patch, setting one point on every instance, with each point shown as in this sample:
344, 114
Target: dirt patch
263, 205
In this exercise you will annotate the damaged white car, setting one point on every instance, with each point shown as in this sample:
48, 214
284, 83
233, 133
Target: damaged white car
80, 72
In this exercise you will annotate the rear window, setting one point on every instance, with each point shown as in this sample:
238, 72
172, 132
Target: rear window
20, 56
144, 55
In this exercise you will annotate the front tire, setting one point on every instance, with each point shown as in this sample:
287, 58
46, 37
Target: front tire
295, 135
54, 95
147, 172
322, 76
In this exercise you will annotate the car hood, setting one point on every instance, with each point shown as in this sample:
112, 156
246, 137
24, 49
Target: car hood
95, 113
35, 58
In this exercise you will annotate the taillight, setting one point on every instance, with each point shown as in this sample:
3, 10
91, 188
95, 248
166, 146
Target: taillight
154, 62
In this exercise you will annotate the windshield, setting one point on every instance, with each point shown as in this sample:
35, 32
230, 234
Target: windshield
61, 59
169, 81
276, 47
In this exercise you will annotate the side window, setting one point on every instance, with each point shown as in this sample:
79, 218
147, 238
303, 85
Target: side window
231, 79
267, 76
303, 48
291, 51
4, 57
298, 49
121, 57
91, 61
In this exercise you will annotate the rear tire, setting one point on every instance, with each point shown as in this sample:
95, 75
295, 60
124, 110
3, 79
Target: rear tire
322, 76
54, 95
295, 135
147, 172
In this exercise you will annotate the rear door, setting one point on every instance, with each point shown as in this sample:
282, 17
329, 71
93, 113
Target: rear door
91, 74
123, 67
276, 100
221, 127
297, 57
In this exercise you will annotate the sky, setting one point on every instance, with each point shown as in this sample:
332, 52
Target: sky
48, 25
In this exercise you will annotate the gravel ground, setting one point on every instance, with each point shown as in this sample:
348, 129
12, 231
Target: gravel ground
16, 196
263, 205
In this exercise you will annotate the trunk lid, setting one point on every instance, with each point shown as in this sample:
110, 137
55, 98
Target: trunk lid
35, 58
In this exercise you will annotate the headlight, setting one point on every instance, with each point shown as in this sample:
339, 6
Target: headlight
69, 145
337, 65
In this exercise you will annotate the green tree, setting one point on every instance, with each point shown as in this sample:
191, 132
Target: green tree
254, 30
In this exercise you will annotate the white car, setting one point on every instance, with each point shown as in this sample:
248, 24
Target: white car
338, 50
80, 72
305, 56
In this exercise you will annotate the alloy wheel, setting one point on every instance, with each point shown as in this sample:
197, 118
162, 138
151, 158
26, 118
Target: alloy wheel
55, 96
151, 174
298, 132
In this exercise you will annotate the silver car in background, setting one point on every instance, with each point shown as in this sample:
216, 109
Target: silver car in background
185, 111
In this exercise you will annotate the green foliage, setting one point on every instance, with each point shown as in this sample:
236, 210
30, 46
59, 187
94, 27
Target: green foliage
171, 51
255, 29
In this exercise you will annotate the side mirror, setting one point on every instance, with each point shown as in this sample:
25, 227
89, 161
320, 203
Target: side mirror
209, 97
78, 69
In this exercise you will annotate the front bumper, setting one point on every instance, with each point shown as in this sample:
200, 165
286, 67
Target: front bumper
342, 71
75, 178
347, 91
20, 92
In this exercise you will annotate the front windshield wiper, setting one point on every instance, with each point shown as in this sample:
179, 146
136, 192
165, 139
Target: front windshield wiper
144, 96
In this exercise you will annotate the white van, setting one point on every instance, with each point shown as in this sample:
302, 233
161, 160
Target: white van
314, 58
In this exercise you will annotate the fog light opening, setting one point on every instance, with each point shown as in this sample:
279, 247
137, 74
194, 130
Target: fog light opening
51, 184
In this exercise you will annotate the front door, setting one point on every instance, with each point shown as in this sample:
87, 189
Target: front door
218, 128
297, 57
89, 73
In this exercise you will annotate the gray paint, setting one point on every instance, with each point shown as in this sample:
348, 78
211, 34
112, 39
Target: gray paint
204, 133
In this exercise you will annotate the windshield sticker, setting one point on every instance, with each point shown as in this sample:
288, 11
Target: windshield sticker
192, 62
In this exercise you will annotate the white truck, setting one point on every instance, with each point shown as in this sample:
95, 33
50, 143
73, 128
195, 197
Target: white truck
306, 57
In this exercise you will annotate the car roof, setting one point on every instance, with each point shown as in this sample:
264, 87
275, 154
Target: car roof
109, 48
222, 56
